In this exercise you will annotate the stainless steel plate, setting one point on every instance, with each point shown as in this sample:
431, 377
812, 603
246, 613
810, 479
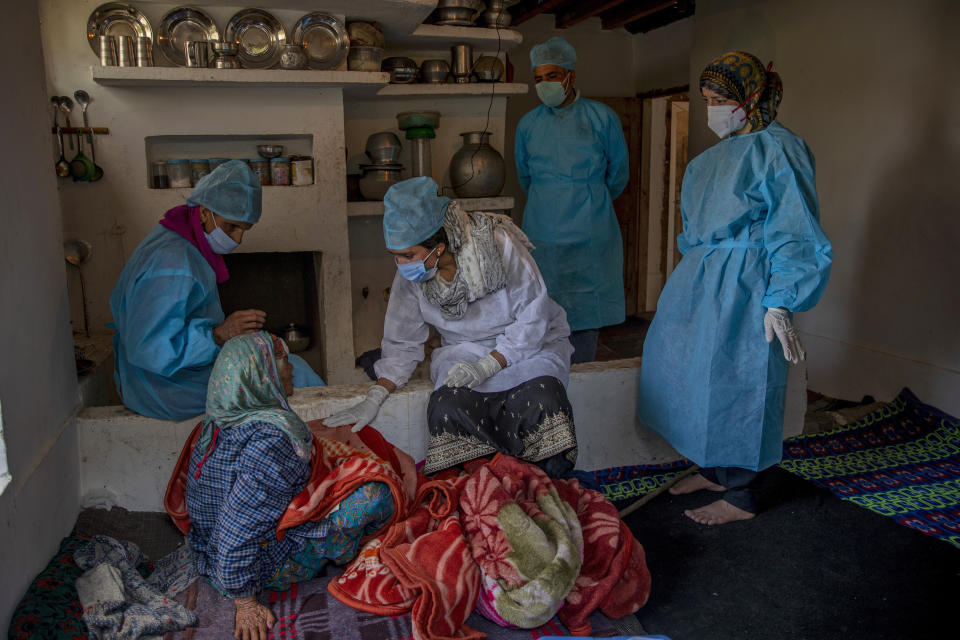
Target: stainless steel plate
116, 19
181, 25
261, 38
325, 39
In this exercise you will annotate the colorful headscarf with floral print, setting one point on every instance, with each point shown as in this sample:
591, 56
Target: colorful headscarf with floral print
741, 76
245, 386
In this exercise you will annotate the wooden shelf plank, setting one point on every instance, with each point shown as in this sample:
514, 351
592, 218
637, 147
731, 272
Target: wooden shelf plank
189, 77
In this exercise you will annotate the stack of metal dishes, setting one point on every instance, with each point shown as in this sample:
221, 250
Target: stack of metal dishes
402, 70
457, 13
385, 170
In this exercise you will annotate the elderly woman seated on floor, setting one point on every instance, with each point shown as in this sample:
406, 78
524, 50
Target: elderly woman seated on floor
250, 457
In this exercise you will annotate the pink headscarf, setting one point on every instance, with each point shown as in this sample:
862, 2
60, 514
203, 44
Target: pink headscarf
185, 220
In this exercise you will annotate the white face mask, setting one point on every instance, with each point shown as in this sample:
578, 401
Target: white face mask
220, 242
725, 119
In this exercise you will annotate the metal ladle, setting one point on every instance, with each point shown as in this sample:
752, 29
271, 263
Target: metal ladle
77, 252
62, 167
83, 99
66, 104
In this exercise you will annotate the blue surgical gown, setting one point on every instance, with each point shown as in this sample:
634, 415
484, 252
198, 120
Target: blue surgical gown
165, 306
572, 162
710, 383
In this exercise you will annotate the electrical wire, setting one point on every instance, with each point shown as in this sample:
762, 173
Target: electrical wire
486, 125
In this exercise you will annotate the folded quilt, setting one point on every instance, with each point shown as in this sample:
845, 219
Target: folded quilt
117, 602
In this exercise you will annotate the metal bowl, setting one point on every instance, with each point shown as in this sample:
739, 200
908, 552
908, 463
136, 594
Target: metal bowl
434, 71
383, 147
269, 150
398, 62
488, 68
403, 75
225, 48
377, 179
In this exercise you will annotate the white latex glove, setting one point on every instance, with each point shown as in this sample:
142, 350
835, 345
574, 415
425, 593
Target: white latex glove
362, 413
777, 323
471, 374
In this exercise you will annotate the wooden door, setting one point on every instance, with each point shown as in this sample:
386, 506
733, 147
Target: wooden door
627, 205
679, 129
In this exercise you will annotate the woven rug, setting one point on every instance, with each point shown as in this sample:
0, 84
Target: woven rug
901, 461
308, 612
622, 483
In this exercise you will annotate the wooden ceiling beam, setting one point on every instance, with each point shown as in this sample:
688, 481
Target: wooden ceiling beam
580, 11
683, 9
632, 12
526, 9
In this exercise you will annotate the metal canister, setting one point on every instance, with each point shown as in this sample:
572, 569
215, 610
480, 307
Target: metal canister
301, 170
261, 167
280, 171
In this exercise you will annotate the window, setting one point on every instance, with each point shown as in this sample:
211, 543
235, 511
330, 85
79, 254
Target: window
4, 472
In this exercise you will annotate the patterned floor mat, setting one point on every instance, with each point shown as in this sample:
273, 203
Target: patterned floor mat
901, 461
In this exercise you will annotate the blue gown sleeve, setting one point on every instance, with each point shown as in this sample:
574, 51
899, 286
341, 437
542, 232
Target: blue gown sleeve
618, 158
520, 156
404, 334
800, 253
269, 475
165, 331
303, 373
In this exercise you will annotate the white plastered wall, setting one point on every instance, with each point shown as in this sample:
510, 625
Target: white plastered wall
872, 87
38, 385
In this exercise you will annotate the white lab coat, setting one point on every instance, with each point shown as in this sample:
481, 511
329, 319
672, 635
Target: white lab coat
520, 321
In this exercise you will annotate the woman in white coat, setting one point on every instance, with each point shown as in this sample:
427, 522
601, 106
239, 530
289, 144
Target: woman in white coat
501, 371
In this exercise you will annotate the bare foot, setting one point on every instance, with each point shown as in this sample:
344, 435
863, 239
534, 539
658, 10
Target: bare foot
719, 512
694, 483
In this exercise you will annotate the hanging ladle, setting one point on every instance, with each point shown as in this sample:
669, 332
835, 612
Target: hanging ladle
77, 252
66, 104
83, 99
62, 167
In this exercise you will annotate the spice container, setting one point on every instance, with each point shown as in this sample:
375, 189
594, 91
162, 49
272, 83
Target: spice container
280, 171
198, 169
158, 176
216, 162
178, 173
301, 170
261, 167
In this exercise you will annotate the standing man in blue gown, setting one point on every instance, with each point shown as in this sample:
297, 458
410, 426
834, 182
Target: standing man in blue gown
572, 162
166, 306
714, 374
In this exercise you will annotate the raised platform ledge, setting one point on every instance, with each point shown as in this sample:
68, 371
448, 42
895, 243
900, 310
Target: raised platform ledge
126, 459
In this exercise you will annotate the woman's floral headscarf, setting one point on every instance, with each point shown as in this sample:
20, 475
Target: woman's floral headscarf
741, 76
245, 386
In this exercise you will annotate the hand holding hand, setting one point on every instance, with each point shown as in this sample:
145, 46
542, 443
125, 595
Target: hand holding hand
777, 323
472, 374
362, 413
253, 620
239, 323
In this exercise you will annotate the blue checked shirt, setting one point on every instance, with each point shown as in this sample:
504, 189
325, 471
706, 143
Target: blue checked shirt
244, 488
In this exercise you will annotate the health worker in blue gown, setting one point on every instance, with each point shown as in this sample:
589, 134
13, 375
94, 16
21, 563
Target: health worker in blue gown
572, 162
166, 307
713, 380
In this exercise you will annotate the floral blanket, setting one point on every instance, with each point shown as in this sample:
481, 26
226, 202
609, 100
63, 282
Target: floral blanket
505, 539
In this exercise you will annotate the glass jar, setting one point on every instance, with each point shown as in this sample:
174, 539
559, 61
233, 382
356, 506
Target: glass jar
216, 162
301, 170
198, 168
280, 171
158, 176
261, 167
178, 173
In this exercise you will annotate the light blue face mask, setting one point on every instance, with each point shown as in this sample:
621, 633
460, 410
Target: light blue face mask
416, 270
551, 94
220, 242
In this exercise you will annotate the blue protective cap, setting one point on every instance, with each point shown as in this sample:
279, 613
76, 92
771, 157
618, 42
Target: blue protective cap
556, 51
231, 190
412, 212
